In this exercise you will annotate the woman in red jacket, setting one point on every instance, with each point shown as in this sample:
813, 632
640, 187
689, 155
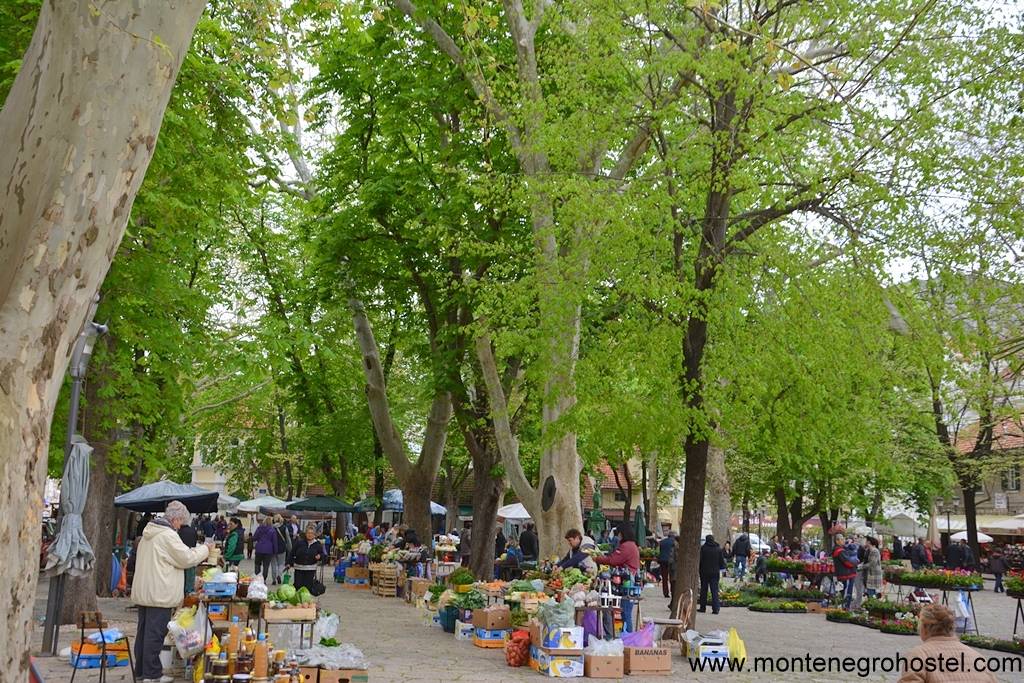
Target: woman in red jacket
626, 555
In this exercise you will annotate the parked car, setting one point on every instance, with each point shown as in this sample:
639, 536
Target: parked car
756, 544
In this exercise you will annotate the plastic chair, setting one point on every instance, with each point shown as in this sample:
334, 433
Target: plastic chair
94, 620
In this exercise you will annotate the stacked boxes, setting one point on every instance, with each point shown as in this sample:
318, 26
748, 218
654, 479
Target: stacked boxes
595, 666
463, 631
357, 577
490, 639
556, 652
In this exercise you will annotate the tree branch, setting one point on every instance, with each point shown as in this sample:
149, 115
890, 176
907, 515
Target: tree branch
234, 399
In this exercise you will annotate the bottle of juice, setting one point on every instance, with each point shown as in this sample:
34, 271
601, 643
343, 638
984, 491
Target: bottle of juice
260, 668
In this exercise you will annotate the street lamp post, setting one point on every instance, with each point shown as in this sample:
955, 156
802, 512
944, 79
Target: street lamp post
80, 357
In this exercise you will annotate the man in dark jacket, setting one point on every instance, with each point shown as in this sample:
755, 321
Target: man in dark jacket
190, 538
667, 562
954, 555
918, 557
967, 560
575, 556
499, 543
712, 562
528, 543
740, 552
997, 565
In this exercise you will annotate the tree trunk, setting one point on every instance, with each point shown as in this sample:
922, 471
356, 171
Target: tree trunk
719, 495
488, 492
416, 499
690, 524
746, 514
451, 504
783, 528
971, 517
828, 520
653, 477
78, 130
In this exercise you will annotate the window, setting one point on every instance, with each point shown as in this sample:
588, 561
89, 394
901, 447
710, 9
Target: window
1011, 478
620, 497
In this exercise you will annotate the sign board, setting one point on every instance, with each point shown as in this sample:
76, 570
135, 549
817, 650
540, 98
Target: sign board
999, 501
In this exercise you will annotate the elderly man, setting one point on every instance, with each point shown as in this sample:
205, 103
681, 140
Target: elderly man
940, 644
159, 576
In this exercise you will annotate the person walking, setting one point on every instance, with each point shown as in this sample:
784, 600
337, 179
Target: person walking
264, 539
954, 555
626, 555
306, 555
284, 548
157, 586
712, 562
233, 544
997, 565
667, 562
740, 552
918, 556
220, 528
967, 559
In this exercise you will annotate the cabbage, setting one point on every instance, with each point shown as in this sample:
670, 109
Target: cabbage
287, 592
305, 596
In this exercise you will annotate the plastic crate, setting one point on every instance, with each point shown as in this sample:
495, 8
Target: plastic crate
220, 589
91, 661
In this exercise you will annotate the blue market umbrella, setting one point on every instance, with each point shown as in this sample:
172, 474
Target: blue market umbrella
155, 497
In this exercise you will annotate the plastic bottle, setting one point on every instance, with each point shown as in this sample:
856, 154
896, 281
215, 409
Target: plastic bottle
260, 668
234, 631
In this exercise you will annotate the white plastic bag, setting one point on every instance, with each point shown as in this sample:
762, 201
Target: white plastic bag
606, 648
189, 640
326, 626
257, 589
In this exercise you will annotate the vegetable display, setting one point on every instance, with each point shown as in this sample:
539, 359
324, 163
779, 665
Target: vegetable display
573, 576
461, 577
470, 600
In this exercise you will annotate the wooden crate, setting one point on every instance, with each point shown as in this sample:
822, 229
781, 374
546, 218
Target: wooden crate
289, 614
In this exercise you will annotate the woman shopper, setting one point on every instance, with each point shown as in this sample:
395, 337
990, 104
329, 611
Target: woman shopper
626, 555
940, 644
306, 555
284, 548
157, 587
844, 568
234, 551
873, 568
265, 539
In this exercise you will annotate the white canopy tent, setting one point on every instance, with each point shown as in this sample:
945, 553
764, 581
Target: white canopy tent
1011, 526
255, 504
515, 511
226, 503
904, 525
962, 536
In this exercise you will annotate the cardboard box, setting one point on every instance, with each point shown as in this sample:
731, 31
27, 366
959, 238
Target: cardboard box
218, 611
496, 618
556, 664
534, 627
240, 610
604, 667
566, 640
648, 660
418, 587
713, 651
357, 573
815, 608
308, 674
344, 676
463, 631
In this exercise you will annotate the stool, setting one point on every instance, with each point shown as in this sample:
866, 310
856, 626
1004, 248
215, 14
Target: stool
94, 620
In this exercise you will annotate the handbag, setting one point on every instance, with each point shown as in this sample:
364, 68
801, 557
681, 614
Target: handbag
317, 588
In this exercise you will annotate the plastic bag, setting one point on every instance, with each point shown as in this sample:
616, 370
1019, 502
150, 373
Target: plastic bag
606, 648
326, 626
257, 589
110, 635
557, 614
642, 638
344, 656
590, 624
189, 639
737, 649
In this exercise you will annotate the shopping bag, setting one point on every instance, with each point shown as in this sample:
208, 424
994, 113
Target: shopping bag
286, 578
317, 588
642, 638
589, 625
737, 649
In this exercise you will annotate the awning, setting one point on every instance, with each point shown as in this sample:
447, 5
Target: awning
226, 503
155, 497
394, 501
513, 511
322, 504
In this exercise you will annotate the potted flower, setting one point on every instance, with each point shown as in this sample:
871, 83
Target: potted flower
901, 627
838, 615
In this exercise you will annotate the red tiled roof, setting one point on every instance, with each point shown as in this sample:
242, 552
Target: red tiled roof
1008, 435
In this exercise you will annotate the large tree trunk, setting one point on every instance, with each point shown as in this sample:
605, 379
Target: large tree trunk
488, 492
719, 494
652, 491
77, 132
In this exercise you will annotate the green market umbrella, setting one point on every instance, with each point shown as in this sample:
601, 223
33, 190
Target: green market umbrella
322, 504
640, 526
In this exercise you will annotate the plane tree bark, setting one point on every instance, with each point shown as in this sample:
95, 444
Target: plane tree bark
78, 130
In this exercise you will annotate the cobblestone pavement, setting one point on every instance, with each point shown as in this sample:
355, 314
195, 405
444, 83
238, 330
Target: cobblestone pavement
403, 648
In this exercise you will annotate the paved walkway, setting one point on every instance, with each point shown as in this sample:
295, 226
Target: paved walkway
403, 648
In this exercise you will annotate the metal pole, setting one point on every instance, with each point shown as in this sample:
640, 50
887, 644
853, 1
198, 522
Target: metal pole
55, 593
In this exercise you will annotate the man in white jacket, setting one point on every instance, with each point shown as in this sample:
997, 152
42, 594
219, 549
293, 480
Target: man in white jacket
157, 587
